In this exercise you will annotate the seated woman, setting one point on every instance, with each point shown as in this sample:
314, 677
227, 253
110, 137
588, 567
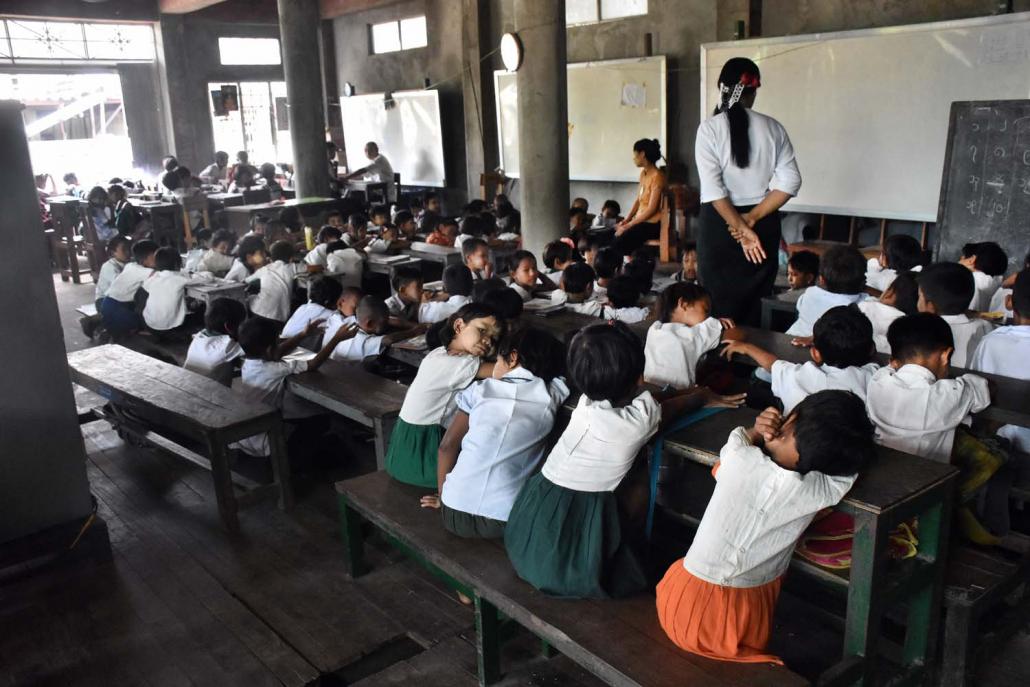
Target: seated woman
642, 222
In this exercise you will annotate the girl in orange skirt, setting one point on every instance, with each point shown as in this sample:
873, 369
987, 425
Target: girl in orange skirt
771, 480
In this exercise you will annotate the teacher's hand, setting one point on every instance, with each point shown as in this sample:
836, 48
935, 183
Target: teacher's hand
751, 245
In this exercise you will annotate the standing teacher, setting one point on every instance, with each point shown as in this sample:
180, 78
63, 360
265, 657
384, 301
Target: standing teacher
747, 169
643, 221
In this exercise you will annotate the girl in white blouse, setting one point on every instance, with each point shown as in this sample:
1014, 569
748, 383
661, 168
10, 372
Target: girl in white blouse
771, 480
429, 405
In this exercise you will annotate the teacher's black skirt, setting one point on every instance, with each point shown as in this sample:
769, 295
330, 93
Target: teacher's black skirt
736, 285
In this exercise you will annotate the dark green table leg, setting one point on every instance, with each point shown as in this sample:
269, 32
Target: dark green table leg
925, 604
488, 641
865, 602
353, 543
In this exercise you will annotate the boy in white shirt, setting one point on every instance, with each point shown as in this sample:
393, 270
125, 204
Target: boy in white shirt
802, 270
323, 296
623, 297
202, 242
214, 350
841, 352
899, 299
408, 294
987, 261
557, 256
118, 309
841, 282
276, 279
218, 258
899, 253
607, 265
326, 235
345, 314
347, 264
118, 249
945, 289
525, 278
475, 252
166, 292
576, 290
457, 284
367, 337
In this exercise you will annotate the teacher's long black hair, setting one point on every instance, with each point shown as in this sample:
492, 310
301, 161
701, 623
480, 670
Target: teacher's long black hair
739, 77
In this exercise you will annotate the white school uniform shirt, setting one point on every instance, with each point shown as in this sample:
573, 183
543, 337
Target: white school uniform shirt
967, 332
217, 264
333, 324
772, 166
985, 288
756, 515
264, 381
630, 315
360, 346
880, 315
303, 316
395, 305
380, 170
672, 350
598, 446
238, 272
349, 262
273, 301
128, 281
166, 302
213, 355
1006, 351
590, 308
317, 255
437, 311
509, 421
814, 302
792, 383
998, 302
109, 271
377, 245
917, 413
430, 397
877, 276
522, 291
600, 292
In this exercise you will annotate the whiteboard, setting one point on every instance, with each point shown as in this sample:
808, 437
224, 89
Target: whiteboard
867, 111
408, 134
612, 105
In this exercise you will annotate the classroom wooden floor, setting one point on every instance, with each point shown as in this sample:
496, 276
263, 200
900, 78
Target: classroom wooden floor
181, 602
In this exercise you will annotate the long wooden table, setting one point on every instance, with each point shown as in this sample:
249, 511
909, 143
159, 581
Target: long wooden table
445, 255
148, 396
893, 489
309, 208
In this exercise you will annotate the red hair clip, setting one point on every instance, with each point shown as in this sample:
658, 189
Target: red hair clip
750, 80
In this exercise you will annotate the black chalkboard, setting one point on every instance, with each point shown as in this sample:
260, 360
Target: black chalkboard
985, 187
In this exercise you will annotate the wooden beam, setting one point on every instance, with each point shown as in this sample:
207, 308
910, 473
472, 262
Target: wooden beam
335, 8
185, 6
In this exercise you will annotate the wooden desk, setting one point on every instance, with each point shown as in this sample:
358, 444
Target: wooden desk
891, 490
220, 201
349, 390
149, 395
1010, 398
445, 255
387, 268
209, 291
309, 209
786, 302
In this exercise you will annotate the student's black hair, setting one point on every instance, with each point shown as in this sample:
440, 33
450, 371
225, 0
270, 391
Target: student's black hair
257, 336
383, 210
949, 286
669, 299
556, 251
918, 335
328, 233
115, 241
402, 217
402, 276
428, 196
651, 149
573, 211
738, 71
351, 291
167, 258
169, 163
429, 223
805, 262
843, 269
476, 225
623, 292
250, 245
372, 308
457, 280
538, 352
69, 177
184, 173
990, 258
833, 434
224, 316
467, 313
267, 170
691, 247
141, 250
474, 207
116, 191
844, 337
325, 292
334, 246
484, 286
906, 292
605, 362
259, 219
242, 156
641, 269
281, 250
611, 204
223, 236
1021, 294
505, 302
333, 213
578, 277
902, 252
171, 180
607, 263
97, 193
203, 234
451, 221
470, 246
357, 220
518, 256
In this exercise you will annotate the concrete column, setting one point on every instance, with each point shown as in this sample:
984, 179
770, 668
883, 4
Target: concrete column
299, 27
42, 457
543, 122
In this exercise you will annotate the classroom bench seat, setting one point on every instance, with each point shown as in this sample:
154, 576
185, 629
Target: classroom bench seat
619, 641
158, 403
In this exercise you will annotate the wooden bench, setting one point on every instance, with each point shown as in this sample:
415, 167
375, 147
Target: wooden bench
148, 397
619, 641
349, 390
893, 489
979, 612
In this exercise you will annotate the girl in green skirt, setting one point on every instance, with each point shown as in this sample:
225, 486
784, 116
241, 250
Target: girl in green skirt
429, 404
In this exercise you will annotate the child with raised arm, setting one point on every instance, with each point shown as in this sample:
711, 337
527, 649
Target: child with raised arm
770, 482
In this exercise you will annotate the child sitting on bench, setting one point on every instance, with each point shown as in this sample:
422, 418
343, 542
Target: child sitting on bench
369, 332
498, 435
118, 309
899, 299
770, 481
276, 278
802, 270
525, 278
608, 265
945, 289
119, 251
326, 235
688, 264
166, 292
899, 253
457, 284
682, 333
841, 282
408, 294
576, 290
252, 256
345, 313
218, 258
476, 255
467, 339
987, 261
214, 349
624, 300
323, 295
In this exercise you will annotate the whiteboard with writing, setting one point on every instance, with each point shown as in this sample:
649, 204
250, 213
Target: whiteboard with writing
867, 111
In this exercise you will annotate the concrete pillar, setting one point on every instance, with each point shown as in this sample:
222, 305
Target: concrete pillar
299, 28
42, 457
543, 122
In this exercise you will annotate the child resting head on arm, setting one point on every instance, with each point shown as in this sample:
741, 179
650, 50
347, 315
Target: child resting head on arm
214, 350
